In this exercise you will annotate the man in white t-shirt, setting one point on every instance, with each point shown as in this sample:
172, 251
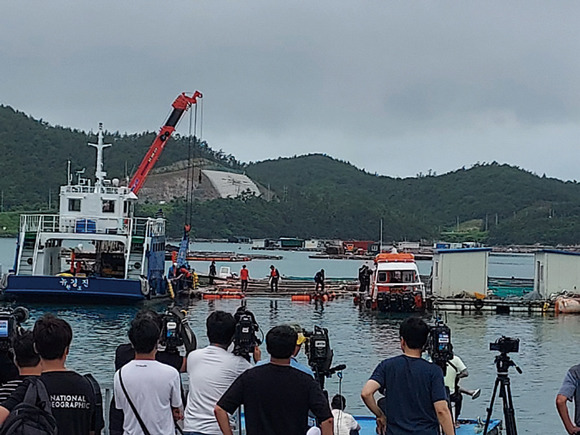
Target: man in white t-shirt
344, 423
211, 371
151, 390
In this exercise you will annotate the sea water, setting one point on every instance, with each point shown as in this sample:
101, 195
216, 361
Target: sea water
359, 339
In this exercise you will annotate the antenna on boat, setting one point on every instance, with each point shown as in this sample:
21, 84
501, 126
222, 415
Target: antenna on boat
99, 173
68, 173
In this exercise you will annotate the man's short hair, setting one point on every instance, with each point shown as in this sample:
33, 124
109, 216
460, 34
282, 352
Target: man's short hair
23, 348
281, 341
146, 313
221, 327
144, 334
338, 402
414, 331
51, 336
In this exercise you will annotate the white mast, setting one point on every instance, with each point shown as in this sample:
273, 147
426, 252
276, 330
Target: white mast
99, 173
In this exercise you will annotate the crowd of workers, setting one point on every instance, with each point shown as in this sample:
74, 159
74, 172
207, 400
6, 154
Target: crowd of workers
278, 394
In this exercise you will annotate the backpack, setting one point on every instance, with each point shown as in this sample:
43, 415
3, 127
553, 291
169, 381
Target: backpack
33, 416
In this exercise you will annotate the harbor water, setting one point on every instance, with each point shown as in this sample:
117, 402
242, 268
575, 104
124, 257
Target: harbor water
360, 340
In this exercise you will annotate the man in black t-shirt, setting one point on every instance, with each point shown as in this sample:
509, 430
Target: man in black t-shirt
276, 396
72, 397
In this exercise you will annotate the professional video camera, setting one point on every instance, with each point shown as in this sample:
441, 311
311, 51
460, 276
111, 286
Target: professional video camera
505, 345
10, 321
320, 354
176, 334
246, 335
439, 345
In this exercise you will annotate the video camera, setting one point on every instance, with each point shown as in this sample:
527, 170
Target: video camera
176, 334
320, 354
10, 321
246, 334
505, 345
318, 350
439, 345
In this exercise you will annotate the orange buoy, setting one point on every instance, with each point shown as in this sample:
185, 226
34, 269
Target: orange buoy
301, 298
324, 298
211, 296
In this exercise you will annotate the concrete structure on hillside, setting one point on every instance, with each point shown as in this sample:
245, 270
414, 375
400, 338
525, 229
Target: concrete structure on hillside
555, 271
231, 185
457, 271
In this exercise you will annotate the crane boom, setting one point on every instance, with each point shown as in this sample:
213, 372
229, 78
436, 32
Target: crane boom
180, 106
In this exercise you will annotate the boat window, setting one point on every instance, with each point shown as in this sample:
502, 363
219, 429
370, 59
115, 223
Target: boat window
382, 277
74, 204
108, 206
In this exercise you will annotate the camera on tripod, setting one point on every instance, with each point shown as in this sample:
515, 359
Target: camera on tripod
505, 345
176, 334
318, 350
10, 321
320, 354
439, 345
246, 335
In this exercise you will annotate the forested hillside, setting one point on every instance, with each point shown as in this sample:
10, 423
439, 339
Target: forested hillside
314, 195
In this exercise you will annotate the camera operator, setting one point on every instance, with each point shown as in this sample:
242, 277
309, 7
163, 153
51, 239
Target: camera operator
276, 396
416, 400
570, 391
126, 353
10, 321
293, 360
211, 371
26, 359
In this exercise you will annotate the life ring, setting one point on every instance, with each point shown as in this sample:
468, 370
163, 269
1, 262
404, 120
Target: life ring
478, 304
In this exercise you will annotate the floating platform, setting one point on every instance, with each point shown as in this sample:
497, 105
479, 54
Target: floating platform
498, 306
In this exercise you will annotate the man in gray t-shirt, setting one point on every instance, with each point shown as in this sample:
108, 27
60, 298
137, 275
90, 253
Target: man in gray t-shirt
570, 391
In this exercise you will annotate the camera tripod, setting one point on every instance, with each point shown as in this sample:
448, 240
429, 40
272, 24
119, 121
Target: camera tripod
503, 362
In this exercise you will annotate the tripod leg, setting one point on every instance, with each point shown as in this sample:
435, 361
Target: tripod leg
490, 409
508, 409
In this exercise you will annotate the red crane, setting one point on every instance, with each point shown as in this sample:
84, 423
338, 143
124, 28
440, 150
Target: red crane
180, 106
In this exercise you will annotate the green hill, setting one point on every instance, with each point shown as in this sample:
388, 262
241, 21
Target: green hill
313, 195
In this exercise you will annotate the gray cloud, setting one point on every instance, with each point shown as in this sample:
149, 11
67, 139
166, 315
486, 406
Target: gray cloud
394, 87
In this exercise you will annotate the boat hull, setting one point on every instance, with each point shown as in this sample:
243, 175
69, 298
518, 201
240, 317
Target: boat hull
567, 305
92, 288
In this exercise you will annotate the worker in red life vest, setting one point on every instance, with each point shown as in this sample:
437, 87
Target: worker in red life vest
244, 275
274, 277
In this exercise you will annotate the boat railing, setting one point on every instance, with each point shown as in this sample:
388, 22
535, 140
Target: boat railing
79, 188
53, 223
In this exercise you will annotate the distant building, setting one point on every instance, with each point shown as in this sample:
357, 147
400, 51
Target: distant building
231, 185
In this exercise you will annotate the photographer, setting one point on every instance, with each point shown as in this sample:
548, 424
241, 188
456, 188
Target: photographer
126, 353
211, 371
276, 396
25, 358
415, 400
148, 392
570, 391
293, 360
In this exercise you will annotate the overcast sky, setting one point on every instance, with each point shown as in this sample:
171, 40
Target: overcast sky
394, 87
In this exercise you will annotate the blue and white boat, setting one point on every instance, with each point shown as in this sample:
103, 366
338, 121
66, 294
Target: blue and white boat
94, 248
